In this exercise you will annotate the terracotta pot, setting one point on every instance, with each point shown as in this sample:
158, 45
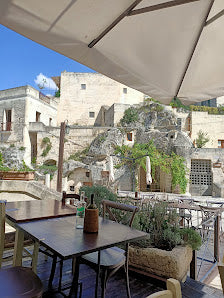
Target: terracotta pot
91, 221
14, 175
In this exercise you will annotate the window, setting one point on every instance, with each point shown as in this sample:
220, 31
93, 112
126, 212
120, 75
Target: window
220, 143
83, 86
38, 117
87, 174
91, 114
129, 136
72, 188
125, 90
8, 118
50, 121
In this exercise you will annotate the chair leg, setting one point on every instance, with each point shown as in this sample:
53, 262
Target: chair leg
54, 261
103, 282
60, 279
126, 273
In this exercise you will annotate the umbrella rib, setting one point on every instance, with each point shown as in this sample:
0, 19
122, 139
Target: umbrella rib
115, 22
159, 6
217, 16
194, 47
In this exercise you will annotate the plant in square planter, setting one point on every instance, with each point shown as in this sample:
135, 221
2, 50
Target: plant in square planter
22, 173
167, 252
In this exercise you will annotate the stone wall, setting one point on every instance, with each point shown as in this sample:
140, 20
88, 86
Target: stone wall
83, 94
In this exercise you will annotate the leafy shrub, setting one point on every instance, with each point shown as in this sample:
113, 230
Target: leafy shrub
79, 155
130, 116
202, 139
47, 144
100, 193
22, 148
162, 225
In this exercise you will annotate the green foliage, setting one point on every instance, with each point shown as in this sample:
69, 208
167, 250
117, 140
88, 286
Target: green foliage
79, 155
102, 138
34, 161
176, 103
12, 145
25, 168
48, 169
100, 193
211, 110
22, 148
178, 171
57, 93
47, 144
130, 116
202, 139
191, 237
173, 163
162, 224
157, 108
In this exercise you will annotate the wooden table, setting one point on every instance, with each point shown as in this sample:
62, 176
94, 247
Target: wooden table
26, 211
64, 240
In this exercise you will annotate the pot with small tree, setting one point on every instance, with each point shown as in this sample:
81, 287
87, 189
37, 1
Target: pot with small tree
167, 252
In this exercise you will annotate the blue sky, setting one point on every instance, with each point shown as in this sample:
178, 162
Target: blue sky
22, 60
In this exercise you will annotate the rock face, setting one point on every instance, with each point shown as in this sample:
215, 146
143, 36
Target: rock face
12, 157
169, 264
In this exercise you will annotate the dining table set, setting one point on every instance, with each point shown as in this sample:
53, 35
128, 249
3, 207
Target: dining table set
51, 224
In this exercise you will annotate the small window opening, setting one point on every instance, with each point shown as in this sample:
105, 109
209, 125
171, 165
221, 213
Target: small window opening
72, 188
91, 114
83, 86
87, 174
38, 117
129, 136
8, 116
50, 121
125, 90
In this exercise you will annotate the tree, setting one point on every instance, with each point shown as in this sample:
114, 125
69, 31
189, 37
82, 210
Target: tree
202, 139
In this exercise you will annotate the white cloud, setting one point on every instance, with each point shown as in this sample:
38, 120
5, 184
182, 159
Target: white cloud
44, 82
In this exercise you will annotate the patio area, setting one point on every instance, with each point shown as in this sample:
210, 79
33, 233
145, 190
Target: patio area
140, 286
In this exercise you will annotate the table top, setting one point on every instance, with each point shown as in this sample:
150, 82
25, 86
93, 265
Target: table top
23, 211
184, 205
61, 236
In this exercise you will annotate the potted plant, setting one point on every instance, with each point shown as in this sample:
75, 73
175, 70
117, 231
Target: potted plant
167, 251
23, 173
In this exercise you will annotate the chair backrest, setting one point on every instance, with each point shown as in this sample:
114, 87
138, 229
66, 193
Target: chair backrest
173, 290
71, 196
209, 213
128, 211
2, 230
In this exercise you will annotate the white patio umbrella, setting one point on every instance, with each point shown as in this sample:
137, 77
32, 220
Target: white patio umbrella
111, 170
164, 48
148, 171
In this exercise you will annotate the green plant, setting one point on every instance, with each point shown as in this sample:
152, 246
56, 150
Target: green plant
22, 148
12, 145
202, 139
79, 155
100, 193
34, 161
173, 163
176, 103
130, 116
162, 224
25, 168
47, 144
57, 93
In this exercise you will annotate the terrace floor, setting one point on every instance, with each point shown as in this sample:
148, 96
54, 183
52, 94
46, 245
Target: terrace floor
141, 286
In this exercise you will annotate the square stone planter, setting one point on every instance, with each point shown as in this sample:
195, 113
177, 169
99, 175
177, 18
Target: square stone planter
14, 175
167, 264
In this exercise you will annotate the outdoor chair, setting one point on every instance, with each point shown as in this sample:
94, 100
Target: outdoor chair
173, 290
185, 214
208, 218
7, 242
16, 281
112, 258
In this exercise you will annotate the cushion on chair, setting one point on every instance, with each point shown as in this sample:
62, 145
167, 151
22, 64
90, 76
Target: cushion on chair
20, 282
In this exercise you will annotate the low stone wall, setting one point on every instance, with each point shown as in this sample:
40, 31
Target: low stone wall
30, 188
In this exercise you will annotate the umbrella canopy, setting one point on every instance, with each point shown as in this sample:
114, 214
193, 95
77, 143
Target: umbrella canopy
164, 48
111, 169
148, 171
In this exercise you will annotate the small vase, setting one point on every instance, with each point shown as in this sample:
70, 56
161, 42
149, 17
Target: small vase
91, 221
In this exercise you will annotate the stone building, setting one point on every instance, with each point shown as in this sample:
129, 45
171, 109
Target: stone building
83, 94
20, 108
